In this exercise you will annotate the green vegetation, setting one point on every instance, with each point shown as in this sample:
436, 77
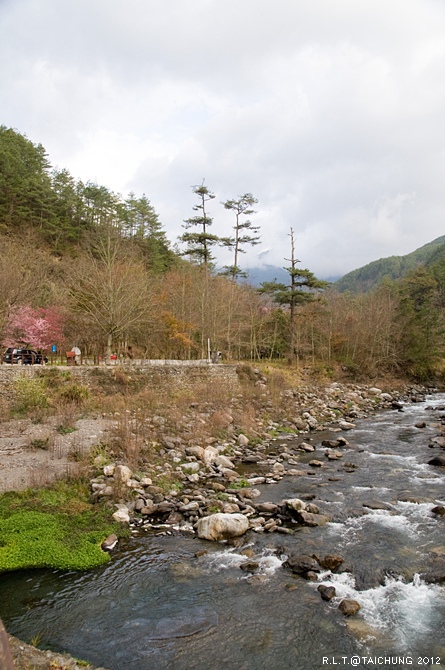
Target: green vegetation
29, 395
394, 267
53, 528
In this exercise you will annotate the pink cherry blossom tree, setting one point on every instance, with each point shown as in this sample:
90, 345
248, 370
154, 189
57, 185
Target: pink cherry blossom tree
38, 327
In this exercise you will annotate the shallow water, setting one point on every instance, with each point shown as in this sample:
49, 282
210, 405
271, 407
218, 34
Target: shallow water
157, 606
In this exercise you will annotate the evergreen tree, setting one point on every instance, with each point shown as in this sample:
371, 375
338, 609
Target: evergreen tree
199, 243
245, 232
141, 224
301, 289
25, 184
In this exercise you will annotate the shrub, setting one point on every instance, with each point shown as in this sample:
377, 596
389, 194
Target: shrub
29, 394
76, 393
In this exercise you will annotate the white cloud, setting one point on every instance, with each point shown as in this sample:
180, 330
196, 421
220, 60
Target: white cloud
331, 114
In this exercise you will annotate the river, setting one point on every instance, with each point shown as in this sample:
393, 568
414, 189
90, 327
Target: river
179, 603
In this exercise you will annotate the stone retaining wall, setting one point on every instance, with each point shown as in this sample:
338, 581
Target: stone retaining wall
165, 374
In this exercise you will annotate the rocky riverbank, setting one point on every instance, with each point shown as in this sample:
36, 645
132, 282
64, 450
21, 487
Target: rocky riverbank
209, 486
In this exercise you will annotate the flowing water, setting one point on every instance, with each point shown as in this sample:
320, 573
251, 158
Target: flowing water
157, 605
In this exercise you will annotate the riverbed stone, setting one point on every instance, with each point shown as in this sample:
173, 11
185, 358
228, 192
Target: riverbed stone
294, 504
109, 543
224, 462
197, 452
438, 461
305, 446
122, 474
326, 592
266, 508
331, 562
191, 467
210, 454
122, 514
346, 425
349, 607
220, 526
313, 520
300, 564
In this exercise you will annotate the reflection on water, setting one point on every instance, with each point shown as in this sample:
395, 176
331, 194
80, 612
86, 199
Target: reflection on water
157, 605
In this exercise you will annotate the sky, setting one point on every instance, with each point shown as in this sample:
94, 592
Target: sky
330, 112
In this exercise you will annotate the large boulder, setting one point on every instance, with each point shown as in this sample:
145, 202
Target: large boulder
218, 527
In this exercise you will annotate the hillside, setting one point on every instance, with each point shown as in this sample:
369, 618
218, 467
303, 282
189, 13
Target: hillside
394, 267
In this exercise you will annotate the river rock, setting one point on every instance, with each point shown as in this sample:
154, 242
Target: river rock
191, 467
218, 527
315, 464
224, 462
438, 441
439, 510
109, 543
197, 452
331, 562
349, 607
266, 508
122, 514
333, 454
346, 425
122, 473
305, 446
230, 508
149, 508
210, 454
326, 592
301, 564
243, 441
109, 469
294, 504
309, 519
438, 461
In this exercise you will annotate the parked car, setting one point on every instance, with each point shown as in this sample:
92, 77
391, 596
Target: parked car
24, 356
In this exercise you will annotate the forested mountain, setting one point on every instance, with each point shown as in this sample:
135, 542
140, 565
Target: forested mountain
394, 267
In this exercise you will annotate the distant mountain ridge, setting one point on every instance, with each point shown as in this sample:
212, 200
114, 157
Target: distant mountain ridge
394, 267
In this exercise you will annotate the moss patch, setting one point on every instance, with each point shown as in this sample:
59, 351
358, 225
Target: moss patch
52, 528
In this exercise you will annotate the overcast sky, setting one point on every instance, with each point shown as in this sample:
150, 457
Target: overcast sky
330, 112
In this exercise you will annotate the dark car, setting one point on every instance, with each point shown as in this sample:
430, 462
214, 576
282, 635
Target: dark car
24, 356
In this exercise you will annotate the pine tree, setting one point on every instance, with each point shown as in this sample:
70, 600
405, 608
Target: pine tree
303, 288
245, 232
199, 243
